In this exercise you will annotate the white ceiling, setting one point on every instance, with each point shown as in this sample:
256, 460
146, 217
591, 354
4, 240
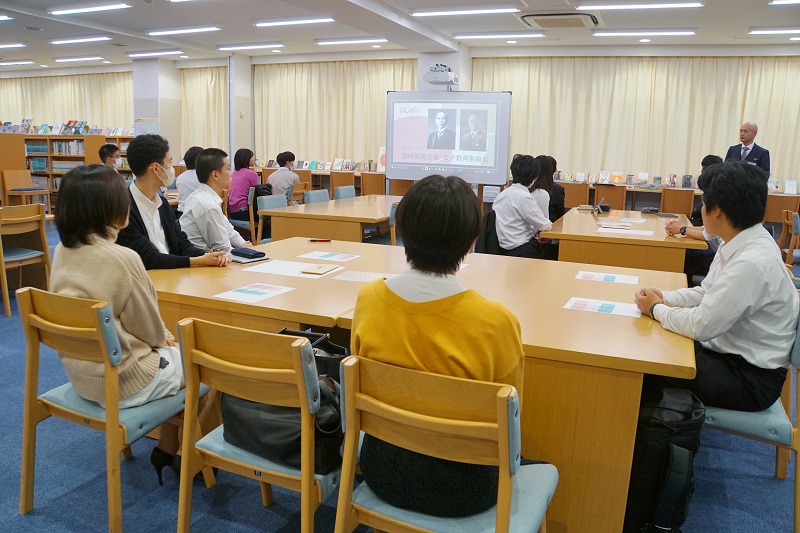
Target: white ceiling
720, 23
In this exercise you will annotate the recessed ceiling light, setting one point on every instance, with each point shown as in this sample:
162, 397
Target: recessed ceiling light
81, 40
185, 30
794, 38
44, 66
644, 33
88, 9
349, 41
184, 57
676, 5
233, 47
12, 45
498, 36
292, 22
464, 12
511, 42
155, 53
276, 51
15, 63
644, 40
784, 2
5, 17
376, 46
77, 59
785, 31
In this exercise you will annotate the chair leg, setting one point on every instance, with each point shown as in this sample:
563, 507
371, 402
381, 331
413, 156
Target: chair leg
127, 453
782, 456
114, 487
28, 465
6, 299
266, 494
543, 525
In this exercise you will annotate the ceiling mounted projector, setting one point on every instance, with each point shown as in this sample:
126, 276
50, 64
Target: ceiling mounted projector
440, 75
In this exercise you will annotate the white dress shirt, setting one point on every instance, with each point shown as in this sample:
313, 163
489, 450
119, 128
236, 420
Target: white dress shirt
151, 218
205, 223
542, 198
519, 217
713, 242
747, 305
281, 179
186, 183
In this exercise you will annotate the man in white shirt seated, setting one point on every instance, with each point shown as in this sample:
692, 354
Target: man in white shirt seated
282, 178
203, 221
519, 218
743, 317
187, 182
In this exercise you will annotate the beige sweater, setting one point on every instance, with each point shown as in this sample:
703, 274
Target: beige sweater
115, 274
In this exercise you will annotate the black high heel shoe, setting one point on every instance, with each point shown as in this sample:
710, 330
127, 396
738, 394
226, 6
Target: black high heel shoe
159, 459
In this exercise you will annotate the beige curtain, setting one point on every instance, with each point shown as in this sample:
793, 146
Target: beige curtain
204, 108
100, 99
657, 115
321, 111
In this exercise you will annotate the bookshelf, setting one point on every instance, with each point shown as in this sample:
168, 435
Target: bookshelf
121, 141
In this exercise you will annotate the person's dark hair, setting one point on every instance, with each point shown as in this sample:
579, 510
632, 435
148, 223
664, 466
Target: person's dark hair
545, 174
554, 162
145, 150
208, 161
242, 158
438, 219
91, 199
709, 160
106, 151
738, 189
284, 157
190, 157
524, 169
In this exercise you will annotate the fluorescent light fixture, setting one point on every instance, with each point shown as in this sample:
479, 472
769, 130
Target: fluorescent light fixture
81, 40
788, 31
88, 9
676, 5
276, 51
784, 2
233, 47
107, 62
12, 45
4, 18
644, 40
376, 46
644, 33
176, 1
185, 30
349, 41
498, 36
154, 53
15, 63
794, 38
292, 22
184, 57
77, 59
488, 11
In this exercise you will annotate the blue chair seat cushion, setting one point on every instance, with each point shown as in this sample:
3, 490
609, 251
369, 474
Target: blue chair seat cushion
15, 253
138, 421
215, 444
795, 255
243, 224
28, 189
771, 425
533, 489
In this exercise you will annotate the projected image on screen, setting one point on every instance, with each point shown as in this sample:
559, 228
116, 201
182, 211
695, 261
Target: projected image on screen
452, 133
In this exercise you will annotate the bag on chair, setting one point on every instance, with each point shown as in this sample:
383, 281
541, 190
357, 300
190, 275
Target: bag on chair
662, 482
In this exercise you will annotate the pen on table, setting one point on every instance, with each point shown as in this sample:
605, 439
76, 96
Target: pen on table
319, 240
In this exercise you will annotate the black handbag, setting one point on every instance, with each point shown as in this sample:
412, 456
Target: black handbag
327, 354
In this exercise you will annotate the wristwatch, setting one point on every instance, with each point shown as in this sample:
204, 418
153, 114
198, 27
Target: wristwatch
683, 230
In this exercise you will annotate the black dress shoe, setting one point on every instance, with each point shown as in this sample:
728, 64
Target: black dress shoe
159, 459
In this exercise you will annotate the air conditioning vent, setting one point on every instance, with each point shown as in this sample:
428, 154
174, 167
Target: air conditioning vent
555, 21
121, 45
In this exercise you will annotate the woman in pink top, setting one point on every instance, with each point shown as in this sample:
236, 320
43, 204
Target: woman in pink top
241, 180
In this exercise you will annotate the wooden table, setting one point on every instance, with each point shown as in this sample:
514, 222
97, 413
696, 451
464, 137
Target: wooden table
344, 219
583, 371
579, 241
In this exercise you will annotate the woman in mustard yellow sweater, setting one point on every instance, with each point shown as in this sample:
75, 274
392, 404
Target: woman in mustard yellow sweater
425, 320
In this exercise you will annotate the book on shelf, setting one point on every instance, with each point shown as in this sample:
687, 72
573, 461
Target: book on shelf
43, 129
686, 181
605, 177
774, 185
299, 164
69, 127
629, 179
313, 165
643, 178
672, 180
328, 165
557, 175
9, 129
7, 123
39, 182
617, 178
569, 177
580, 177
657, 181
96, 131
346, 164
592, 178
58, 127
306, 165
790, 186
56, 183
337, 163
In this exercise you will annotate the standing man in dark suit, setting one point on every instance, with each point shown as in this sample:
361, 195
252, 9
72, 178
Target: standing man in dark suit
748, 150
442, 138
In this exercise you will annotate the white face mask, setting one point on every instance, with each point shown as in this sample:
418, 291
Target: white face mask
118, 162
170, 176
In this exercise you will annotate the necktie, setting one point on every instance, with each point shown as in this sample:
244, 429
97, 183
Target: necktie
745, 150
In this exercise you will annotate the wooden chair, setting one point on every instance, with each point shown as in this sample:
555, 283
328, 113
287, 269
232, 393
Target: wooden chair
340, 178
247, 225
265, 173
305, 177
575, 194
299, 189
320, 195
773, 426
449, 418
259, 367
678, 201
345, 191
23, 241
373, 183
613, 195
399, 187
269, 202
381, 239
19, 184
82, 329
792, 253
777, 203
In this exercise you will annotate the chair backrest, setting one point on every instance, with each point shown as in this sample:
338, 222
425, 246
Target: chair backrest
461, 420
373, 183
392, 227
787, 227
345, 191
777, 203
289, 193
575, 194
399, 187
794, 241
678, 201
270, 202
250, 194
487, 242
613, 195
305, 177
340, 178
18, 219
16, 179
265, 173
320, 195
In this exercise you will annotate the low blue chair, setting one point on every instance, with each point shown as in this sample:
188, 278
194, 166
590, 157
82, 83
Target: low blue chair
320, 195
792, 253
345, 191
392, 237
267, 202
446, 417
247, 225
82, 329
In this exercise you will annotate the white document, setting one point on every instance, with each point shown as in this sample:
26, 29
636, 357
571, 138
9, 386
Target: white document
288, 268
601, 306
253, 293
614, 225
626, 231
611, 278
330, 256
363, 277
633, 220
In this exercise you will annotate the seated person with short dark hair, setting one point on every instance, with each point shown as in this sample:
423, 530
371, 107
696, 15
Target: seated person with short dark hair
283, 178
110, 156
743, 317
153, 232
242, 180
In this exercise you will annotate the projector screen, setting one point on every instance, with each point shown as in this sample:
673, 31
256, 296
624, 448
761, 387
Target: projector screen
453, 133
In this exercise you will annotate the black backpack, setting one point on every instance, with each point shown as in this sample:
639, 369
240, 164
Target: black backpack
662, 481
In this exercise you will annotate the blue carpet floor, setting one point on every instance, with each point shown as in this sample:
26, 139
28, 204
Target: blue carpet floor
735, 487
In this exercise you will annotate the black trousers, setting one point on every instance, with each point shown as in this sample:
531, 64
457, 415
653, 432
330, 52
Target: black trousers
697, 263
240, 215
535, 250
727, 381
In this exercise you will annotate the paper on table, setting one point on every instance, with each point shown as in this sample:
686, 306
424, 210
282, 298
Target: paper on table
612, 278
255, 292
601, 306
625, 231
287, 268
329, 256
633, 220
616, 225
364, 277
